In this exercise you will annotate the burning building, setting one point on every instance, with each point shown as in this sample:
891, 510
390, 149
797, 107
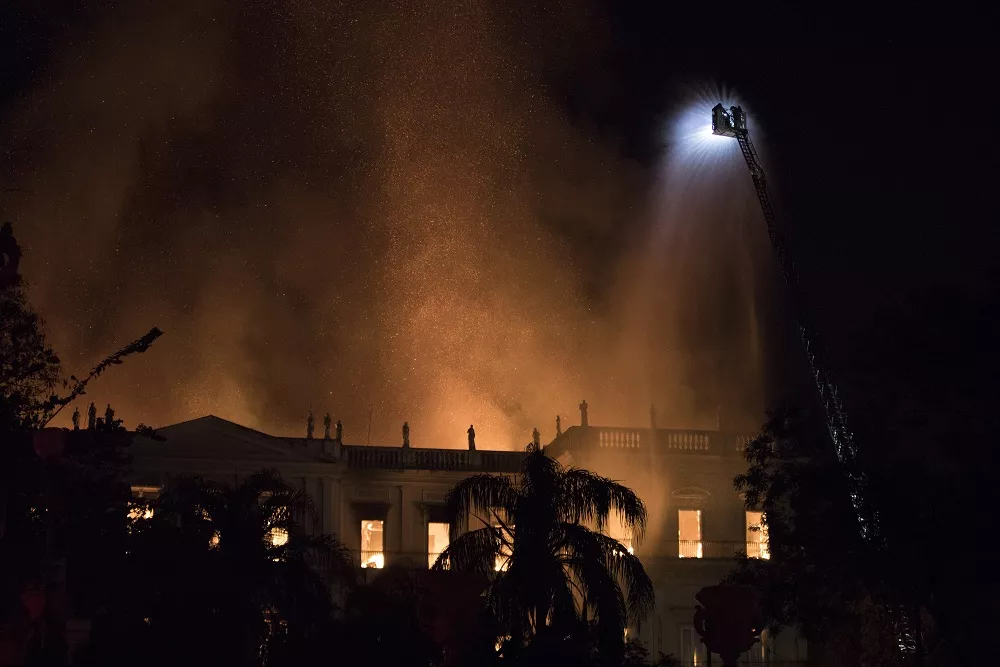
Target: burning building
386, 503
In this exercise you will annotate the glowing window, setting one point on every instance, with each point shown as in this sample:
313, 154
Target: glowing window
138, 509
136, 512
616, 529
437, 540
757, 546
372, 545
689, 534
278, 537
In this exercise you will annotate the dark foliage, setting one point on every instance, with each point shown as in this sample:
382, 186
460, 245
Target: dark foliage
225, 574
61, 510
922, 400
557, 578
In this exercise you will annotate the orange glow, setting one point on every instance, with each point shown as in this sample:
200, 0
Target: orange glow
502, 561
757, 543
616, 530
438, 539
136, 512
372, 544
278, 537
448, 278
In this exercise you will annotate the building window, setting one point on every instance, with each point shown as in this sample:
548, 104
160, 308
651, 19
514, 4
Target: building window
689, 534
372, 553
139, 510
277, 537
616, 530
757, 546
692, 650
139, 507
437, 540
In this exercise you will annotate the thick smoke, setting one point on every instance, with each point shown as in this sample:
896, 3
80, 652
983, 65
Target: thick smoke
380, 211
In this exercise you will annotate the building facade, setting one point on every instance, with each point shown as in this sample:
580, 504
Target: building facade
386, 504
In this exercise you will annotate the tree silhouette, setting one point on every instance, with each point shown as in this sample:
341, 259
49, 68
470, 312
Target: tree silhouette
61, 508
556, 577
225, 572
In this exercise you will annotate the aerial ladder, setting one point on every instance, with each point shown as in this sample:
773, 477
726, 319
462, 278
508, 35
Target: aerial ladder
733, 123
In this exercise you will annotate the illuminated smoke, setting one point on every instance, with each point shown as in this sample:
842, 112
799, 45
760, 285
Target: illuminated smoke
378, 213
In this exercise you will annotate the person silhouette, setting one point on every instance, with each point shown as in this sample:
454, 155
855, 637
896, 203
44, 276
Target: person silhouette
472, 438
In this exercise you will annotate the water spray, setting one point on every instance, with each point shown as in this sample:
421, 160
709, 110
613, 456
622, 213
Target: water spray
733, 124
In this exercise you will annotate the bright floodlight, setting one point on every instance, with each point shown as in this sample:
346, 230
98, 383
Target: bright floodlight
693, 144
728, 123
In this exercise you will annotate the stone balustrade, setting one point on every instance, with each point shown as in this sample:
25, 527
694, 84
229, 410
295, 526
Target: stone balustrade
659, 440
398, 458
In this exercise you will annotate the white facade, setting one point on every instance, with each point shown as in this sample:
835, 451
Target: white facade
386, 503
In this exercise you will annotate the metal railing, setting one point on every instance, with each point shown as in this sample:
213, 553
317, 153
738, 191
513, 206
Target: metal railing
371, 558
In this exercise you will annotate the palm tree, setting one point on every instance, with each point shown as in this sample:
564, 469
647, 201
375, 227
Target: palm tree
247, 567
551, 575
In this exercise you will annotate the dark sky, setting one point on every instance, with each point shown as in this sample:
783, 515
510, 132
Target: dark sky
440, 212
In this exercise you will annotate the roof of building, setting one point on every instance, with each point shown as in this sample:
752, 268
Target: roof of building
212, 438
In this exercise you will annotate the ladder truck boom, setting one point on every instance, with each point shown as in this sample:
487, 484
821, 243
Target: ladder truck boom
732, 123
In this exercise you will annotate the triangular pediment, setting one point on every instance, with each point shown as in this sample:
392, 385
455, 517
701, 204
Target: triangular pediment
214, 438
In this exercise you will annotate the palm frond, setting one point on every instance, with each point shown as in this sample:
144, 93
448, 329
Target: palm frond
587, 548
479, 494
506, 604
475, 551
587, 497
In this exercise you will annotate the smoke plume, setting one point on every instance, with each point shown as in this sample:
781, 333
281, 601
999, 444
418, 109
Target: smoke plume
381, 211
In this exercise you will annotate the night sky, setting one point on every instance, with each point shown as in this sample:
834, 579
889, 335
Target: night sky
454, 212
